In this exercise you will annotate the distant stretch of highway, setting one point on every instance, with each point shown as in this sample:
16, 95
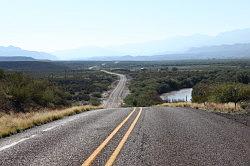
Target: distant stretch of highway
131, 137
116, 97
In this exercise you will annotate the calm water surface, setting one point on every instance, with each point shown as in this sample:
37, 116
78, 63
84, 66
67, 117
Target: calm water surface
180, 95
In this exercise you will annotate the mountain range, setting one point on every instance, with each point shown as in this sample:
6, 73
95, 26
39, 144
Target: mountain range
16, 58
15, 53
231, 44
180, 46
234, 51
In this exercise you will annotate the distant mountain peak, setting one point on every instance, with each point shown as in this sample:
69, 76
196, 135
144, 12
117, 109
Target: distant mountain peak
12, 51
11, 46
16, 58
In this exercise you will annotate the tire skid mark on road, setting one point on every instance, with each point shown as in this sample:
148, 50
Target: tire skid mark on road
93, 155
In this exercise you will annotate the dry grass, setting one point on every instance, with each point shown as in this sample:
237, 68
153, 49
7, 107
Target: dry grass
216, 107
16, 122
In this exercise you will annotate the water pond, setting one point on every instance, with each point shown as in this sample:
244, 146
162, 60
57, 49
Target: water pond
180, 95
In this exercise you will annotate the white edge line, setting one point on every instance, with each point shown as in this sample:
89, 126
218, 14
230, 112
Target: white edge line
50, 128
32, 136
15, 143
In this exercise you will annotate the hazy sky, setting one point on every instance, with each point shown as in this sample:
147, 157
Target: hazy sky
49, 25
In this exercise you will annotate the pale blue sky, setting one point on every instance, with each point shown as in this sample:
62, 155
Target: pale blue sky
49, 25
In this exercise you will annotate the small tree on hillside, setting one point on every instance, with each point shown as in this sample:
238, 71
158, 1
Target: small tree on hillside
243, 78
201, 93
235, 93
1, 74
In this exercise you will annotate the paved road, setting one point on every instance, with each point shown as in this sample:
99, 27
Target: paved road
117, 95
147, 136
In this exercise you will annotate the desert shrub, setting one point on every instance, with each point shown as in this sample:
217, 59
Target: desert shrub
221, 93
231, 92
22, 91
94, 101
243, 77
153, 83
97, 94
201, 93
1, 74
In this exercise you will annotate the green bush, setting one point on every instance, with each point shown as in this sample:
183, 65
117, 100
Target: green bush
146, 86
94, 101
1, 74
201, 93
97, 94
233, 92
221, 93
24, 91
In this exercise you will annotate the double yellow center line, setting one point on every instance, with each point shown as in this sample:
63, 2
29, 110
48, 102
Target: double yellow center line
112, 158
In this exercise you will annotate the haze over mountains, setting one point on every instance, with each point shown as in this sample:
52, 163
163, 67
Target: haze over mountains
231, 44
16, 58
174, 48
12, 53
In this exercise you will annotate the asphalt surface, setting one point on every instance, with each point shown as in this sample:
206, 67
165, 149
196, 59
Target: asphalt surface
117, 95
161, 136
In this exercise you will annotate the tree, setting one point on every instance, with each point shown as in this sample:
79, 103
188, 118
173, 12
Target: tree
94, 101
1, 74
233, 92
243, 78
174, 68
201, 93
97, 94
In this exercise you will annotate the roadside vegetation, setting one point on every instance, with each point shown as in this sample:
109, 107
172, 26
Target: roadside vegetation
83, 86
222, 93
30, 97
20, 93
215, 107
11, 123
215, 83
146, 86
23, 92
